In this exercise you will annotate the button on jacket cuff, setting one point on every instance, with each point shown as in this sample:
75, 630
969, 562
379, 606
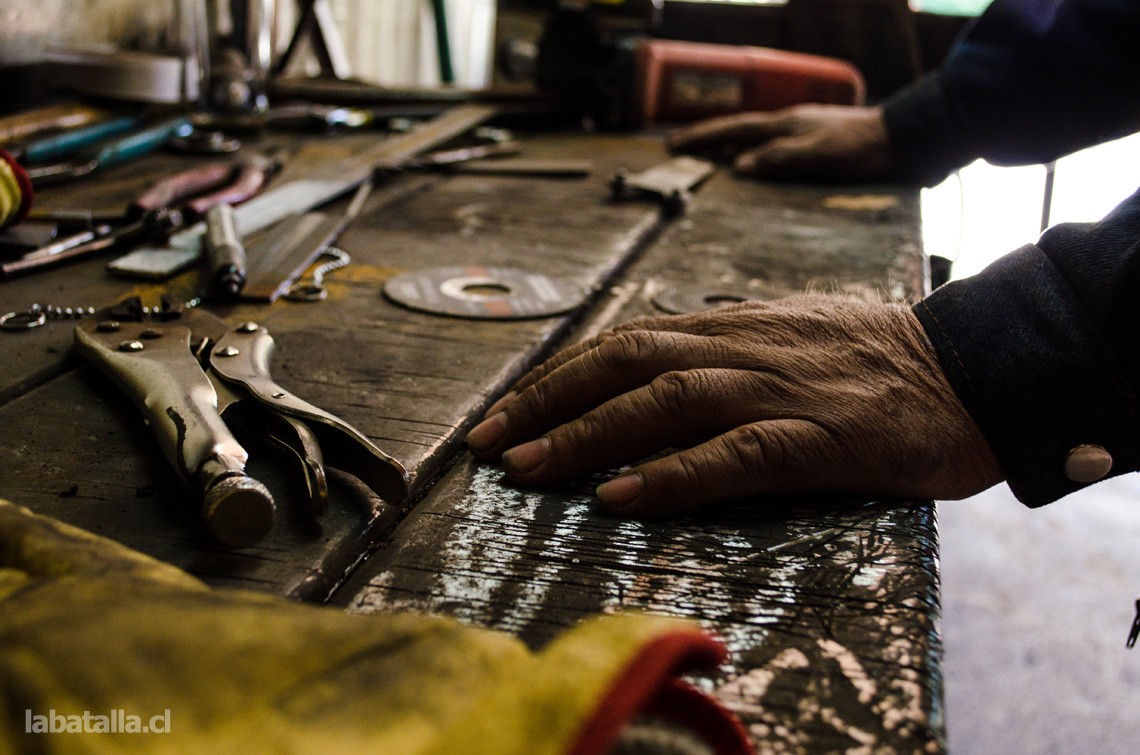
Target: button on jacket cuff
1088, 463
1035, 371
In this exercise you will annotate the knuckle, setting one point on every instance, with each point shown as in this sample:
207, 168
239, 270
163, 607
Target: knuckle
583, 433
530, 405
625, 348
674, 393
691, 476
754, 449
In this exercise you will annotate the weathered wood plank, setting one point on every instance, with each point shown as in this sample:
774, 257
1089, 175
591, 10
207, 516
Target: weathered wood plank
75, 448
36, 355
828, 607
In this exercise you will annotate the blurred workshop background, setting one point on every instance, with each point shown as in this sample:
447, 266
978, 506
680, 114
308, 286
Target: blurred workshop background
1036, 603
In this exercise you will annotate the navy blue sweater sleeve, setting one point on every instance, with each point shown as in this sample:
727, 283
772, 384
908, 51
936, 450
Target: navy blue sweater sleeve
1043, 348
1029, 81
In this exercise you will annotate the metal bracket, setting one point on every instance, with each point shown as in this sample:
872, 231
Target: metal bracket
671, 181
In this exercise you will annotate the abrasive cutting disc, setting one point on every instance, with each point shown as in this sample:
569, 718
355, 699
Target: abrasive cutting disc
484, 293
680, 299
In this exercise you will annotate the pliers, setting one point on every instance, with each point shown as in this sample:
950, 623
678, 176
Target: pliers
167, 205
189, 372
192, 192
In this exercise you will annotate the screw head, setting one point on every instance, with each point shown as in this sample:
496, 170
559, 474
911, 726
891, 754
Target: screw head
227, 351
108, 326
131, 346
247, 327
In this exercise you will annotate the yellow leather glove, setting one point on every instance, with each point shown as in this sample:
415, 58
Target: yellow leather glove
88, 626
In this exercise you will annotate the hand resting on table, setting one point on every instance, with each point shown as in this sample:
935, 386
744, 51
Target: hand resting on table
804, 142
802, 394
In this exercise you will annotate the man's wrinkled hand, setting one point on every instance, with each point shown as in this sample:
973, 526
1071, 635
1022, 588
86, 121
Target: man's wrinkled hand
806, 394
804, 142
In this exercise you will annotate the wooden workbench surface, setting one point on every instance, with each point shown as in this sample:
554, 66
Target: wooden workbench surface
828, 606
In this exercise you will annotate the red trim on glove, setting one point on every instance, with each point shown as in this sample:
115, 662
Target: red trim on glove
648, 684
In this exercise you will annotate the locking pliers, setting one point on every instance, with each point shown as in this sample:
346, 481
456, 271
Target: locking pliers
188, 371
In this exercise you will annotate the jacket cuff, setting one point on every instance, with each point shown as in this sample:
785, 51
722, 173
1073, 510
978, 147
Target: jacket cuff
926, 131
1029, 365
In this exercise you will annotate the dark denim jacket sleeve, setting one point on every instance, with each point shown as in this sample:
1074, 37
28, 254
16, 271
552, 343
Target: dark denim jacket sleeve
1043, 348
1029, 81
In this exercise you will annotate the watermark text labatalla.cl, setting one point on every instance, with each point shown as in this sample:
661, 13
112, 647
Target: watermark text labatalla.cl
115, 721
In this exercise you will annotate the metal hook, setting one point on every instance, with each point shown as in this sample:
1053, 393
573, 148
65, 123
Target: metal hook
315, 290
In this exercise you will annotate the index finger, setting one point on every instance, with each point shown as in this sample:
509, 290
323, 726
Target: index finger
569, 354
698, 323
739, 130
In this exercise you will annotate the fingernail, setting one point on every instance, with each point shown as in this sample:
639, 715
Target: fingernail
745, 164
501, 404
528, 456
620, 492
488, 432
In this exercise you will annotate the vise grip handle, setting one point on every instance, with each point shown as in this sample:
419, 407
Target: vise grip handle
156, 368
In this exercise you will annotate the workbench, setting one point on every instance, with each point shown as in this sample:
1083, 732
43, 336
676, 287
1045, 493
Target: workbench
828, 605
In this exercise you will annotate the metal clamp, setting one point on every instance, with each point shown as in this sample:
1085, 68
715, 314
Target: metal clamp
671, 182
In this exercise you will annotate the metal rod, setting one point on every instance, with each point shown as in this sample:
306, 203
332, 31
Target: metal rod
443, 44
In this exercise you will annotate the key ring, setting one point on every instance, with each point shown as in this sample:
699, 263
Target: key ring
315, 290
26, 320
38, 314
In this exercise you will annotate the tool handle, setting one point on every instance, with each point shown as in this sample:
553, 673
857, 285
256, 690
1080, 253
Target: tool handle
156, 368
16, 191
21, 126
141, 142
249, 348
449, 157
225, 254
250, 178
61, 145
168, 191
87, 242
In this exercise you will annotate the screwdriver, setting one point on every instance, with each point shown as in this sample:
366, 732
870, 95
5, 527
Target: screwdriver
113, 152
60, 145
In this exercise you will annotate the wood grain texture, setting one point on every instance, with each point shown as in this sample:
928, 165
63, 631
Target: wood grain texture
828, 606
74, 447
